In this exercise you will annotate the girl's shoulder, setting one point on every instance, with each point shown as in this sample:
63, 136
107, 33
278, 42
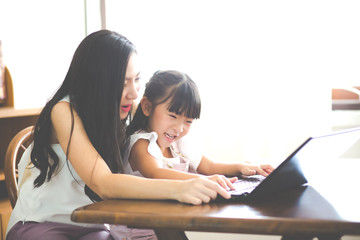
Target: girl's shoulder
141, 134
152, 148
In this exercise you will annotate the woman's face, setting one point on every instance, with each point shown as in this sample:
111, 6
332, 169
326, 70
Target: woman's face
131, 86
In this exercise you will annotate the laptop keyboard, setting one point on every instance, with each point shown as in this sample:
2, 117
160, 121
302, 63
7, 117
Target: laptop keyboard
246, 185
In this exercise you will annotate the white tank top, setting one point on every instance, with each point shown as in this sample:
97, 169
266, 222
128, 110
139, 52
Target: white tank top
53, 201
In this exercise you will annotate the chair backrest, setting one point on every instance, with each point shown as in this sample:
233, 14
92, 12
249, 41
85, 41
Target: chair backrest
9, 90
15, 150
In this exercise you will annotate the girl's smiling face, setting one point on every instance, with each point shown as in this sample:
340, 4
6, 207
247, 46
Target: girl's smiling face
169, 126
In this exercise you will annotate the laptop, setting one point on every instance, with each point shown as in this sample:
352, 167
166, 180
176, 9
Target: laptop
291, 173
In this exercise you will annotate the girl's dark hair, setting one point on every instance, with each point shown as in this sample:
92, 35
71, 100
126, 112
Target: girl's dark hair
94, 83
173, 87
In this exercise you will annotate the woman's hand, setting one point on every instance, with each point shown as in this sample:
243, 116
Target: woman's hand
226, 183
199, 190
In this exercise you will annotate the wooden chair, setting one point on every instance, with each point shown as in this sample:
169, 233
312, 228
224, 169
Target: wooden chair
15, 150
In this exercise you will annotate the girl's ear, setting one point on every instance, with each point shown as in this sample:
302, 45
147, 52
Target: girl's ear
146, 106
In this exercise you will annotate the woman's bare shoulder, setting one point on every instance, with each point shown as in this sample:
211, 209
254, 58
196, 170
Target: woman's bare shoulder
60, 108
62, 112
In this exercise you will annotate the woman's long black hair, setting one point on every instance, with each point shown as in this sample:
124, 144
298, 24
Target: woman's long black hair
171, 86
94, 83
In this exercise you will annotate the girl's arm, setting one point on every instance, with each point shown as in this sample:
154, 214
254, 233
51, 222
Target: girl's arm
141, 160
93, 170
208, 167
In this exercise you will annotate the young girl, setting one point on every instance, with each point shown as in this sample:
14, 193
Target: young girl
157, 148
78, 141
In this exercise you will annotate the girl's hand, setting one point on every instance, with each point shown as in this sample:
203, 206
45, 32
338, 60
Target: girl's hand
249, 169
223, 181
199, 190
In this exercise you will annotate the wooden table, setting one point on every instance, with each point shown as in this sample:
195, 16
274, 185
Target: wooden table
299, 214
328, 208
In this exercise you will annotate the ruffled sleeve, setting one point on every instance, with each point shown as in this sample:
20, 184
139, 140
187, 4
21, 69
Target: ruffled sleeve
153, 149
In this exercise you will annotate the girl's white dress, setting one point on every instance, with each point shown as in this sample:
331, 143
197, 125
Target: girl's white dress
185, 158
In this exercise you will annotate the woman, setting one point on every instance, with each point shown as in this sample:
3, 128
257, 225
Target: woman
79, 139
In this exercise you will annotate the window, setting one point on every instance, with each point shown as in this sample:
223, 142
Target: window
38, 41
265, 69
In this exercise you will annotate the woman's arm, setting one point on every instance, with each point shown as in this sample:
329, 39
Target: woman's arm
93, 170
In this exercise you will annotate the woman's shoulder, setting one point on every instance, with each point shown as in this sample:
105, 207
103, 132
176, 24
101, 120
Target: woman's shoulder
65, 99
60, 109
62, 105
61, 112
